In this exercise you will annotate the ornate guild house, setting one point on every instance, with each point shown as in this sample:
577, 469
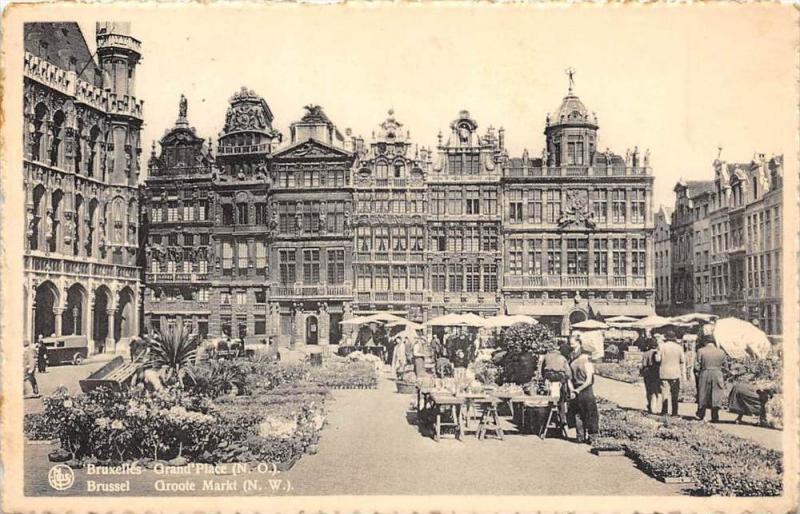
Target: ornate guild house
81, 174
264, 239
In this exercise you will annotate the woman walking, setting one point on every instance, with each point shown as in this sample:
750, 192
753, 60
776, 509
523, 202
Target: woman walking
649, 370
710, 382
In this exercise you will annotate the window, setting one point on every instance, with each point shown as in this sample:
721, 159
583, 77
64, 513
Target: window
638, 258
311, 266
261, 213
534, 257
172, 239
225, 297
577, 256
399, 170
473, 202
227, 257
311, 216
515, 257
204, 239
241, 298
417, 236
438, 239
172, 211
363, 239
261, 256
490, 201
202, 267
382, 239
260, 324
382, 201
416, 273
336, 217
473, 278
188, 211
336, 266
600, 257
553, 257
618, 206
241, 254
382, 170
455, 239
399, 239
399, 278
202, 210
227, 214
553, 206
489, 278
156, 213
489, 238
155, 267
382, 277
203, 295
515, 206
288, 274
363, 277
600, 205
456, 277
637, 206
454, 202
472, 239
437, 202
619, 248
438, 277
286, 217
575, 152
535, 206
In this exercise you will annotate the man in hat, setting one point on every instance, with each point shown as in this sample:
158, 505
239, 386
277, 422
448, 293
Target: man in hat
671, 362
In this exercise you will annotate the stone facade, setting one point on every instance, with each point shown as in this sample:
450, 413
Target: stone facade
663, 260
81, 174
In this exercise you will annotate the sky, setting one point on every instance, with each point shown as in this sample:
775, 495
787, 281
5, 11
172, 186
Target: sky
679, 80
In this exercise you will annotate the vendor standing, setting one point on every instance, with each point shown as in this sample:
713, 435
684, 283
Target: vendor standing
555, 370
710, 382
582, 412
418, 352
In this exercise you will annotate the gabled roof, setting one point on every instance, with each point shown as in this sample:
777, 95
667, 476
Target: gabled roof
696, 188
311, 149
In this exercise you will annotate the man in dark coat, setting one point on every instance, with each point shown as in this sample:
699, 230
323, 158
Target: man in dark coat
652, 379
710, 382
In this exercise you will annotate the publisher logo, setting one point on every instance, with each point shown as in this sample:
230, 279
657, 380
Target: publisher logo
61, 477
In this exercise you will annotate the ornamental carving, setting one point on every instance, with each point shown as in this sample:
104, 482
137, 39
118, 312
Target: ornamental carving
577, 211
245, 116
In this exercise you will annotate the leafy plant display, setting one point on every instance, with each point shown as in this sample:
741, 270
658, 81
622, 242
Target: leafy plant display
623, 371
173, 353
518, 348
356, 374
486, 372
37, 427
460, 349
444, 368
276, 417
721, 463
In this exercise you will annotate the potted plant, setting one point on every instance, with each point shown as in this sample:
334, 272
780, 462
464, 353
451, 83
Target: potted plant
406, 382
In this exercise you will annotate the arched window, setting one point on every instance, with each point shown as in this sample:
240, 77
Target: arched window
118, 221
399, 169
37, 129
57, 138
381, 170
93, 151
38, 213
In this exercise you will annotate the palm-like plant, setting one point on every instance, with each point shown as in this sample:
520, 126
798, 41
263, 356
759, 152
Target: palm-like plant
173, 353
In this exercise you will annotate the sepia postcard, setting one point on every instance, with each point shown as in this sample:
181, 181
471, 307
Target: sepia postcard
399, 257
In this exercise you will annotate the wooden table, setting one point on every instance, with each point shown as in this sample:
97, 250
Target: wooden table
470, 400
444, 404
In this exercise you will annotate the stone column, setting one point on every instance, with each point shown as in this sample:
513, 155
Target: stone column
89, 330
299, 325
58, 312
324, 322
110, 335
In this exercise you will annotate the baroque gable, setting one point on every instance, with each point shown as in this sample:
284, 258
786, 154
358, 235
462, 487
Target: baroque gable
312, 149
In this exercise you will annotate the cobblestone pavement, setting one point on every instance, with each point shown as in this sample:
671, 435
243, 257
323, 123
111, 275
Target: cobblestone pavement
632, 396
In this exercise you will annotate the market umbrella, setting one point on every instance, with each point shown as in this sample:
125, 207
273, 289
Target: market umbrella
503, 320
652, 322
410, 325
695, 316
737, 337
386, 317
590, 324
456, 320
621, 319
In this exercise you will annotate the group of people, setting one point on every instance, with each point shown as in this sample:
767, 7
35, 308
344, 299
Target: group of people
569, 374
405, 349
34, 359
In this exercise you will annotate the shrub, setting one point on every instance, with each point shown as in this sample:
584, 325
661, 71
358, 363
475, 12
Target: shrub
174, 352
37, 427
486, 372
355, 374
527, 338
624, 371
215, 378
444, 368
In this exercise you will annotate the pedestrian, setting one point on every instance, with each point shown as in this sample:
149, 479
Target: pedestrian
670, 370
749, 400
418, 351
555, 371
399, 355
650, 374
710, 382
41, 354
29, 368
582, 413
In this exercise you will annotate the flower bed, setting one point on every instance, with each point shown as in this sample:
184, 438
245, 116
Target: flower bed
351, 375
678, 449
275, 416
625, 372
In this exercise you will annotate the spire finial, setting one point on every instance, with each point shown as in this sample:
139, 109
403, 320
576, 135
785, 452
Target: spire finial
571, 74
719, 151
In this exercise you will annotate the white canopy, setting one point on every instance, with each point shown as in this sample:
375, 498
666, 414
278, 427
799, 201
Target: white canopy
457, 320
737, 337
621, 319
384, 317
590, 324
410, 325
503, 320
695, 316
652, 322
355, 320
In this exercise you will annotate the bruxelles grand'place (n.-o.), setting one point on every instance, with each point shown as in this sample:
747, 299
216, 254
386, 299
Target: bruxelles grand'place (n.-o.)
262, 234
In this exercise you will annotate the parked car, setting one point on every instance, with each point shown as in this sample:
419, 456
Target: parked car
66, 349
